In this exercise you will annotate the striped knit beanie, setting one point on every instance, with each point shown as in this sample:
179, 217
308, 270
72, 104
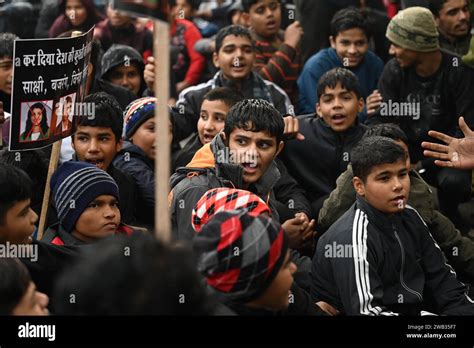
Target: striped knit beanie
223, 199
75, 185
240, 253
137, 113
415, 29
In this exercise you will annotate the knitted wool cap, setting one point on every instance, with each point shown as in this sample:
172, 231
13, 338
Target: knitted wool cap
223, 199
137, 113
240, 253
75, 185
415, 29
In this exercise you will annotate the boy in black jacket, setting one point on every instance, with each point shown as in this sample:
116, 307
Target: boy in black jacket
379, 258
318, 160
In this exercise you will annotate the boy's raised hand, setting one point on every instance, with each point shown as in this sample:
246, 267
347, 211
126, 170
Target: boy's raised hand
292, 128
293, 34
373, 102
149, 73
458, 153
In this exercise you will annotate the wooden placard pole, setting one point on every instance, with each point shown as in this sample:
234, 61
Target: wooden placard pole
162, 152
53, 164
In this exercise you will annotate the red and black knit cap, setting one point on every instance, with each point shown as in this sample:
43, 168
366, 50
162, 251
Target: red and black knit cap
223, 199
240, 253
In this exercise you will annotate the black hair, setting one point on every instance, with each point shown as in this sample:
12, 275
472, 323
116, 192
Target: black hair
193, 3
44, 119
229, 96
14, 282
437, 5
349, 18
15, 186
345, 77
134, 275
6, 45
389, 130
373, 151
236, 30
107, 113
256, 115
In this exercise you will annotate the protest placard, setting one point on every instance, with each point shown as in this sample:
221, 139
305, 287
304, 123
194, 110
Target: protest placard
49, 79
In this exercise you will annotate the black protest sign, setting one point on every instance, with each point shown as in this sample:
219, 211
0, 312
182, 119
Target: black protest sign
49, 79
157, 9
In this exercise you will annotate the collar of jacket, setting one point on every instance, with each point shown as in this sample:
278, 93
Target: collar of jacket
67, 238
234, 172
351, 131
252, 87
383, 221
256, 37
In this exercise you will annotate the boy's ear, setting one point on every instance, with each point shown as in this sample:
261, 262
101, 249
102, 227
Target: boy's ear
318, 110
359, 186
361, 103
215, 60
72, 143
280, 147
332, 41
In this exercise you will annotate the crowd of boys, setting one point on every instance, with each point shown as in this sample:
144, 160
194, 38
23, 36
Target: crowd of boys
310, 175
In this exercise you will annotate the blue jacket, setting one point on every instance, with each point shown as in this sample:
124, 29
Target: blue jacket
368, 73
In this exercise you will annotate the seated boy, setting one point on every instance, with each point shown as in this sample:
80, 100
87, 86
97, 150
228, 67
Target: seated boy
18, 294
87, 202
215, 105
235, 56
379, 257
240, 157
97, 140
458, 249
349, 39
323, 155
278, 56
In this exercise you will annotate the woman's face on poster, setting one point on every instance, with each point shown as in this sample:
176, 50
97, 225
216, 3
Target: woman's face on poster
36, 116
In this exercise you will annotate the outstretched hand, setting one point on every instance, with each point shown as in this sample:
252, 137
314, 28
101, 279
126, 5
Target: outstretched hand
457, 153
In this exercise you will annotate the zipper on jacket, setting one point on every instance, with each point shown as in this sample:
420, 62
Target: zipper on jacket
416, 293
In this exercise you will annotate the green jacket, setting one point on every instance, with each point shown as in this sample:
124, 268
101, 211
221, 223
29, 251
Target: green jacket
459, 250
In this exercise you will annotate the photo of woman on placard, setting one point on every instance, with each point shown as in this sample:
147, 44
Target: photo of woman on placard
37, 127
64, 113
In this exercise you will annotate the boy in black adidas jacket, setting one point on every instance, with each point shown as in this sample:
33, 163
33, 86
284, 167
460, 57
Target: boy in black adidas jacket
379, 257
